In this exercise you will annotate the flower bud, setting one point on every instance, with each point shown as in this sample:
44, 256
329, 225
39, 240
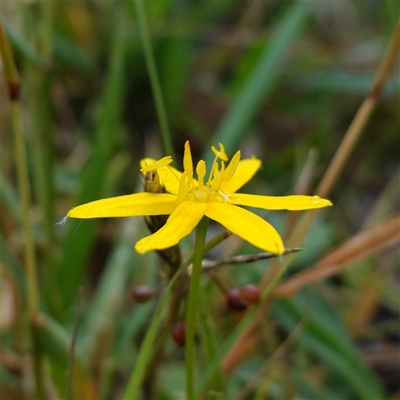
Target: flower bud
250, 293
142, 293
234, 300
178, 332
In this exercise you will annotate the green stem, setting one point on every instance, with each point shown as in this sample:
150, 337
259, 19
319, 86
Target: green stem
143, 359
154, 79
23, 183
38, 83
201, 231
145, 353
13, 83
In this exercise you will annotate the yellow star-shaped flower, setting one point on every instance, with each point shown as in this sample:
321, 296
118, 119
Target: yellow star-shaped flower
188, 200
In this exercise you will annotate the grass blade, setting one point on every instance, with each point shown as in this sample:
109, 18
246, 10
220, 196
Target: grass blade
76, 247
331, 347
234, 125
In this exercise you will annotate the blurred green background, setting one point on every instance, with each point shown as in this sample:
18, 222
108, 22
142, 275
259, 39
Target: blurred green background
274, 79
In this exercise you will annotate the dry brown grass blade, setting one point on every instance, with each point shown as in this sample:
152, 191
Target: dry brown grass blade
364, 308
365, 243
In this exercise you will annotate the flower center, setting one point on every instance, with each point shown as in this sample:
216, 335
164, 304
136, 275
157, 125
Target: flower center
211, 190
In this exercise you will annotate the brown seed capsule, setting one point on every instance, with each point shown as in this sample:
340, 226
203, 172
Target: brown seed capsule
142, 293
234, 300
250, 293
178, 332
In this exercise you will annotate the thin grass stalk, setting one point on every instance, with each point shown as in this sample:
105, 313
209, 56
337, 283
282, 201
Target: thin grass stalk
22, 173
142, 361
201, 232
215, 364
26, 206
234, 126
327, 182
42, 145
362, 117
76, 248
154, 79
13, 84
270, 362
71, 355
352, 135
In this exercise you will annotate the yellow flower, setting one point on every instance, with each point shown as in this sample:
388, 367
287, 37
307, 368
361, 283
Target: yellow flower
188, 200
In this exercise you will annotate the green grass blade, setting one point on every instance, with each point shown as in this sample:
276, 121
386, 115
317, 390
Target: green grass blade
154, 78
214, 367
14, 267
111, 293
332, 347
24, 48
260, 82
55, 339
78, 241
133, 388
70, 54
9, 198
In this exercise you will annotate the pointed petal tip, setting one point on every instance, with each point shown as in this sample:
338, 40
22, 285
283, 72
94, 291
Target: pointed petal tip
319, 202
62, 222
162, 162
140, 249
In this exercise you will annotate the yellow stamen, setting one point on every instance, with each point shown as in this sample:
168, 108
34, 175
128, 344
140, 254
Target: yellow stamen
216, 183
213, 172
220, 153
184, 187
187, 159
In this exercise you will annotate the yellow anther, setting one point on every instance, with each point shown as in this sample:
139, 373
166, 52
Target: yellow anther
220, 153
201, 171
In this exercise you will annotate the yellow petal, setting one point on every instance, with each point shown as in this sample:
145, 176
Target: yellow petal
180, 223
156, 164
292, 203
244, 172
131, 205
247, 225
169, 176
146, 161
